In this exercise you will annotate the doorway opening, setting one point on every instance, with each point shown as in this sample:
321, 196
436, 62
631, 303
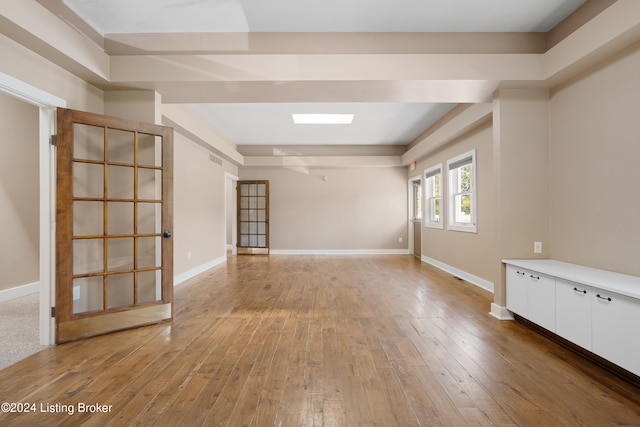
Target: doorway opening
415, 216
46, 105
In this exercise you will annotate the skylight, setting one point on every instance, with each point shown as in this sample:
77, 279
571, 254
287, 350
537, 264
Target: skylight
322, 119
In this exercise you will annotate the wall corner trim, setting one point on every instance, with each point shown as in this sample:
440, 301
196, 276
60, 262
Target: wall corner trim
19, 291
482, 283
500, 313
182, 277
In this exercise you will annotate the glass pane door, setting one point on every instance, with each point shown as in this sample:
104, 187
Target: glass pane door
114, 215
253, 217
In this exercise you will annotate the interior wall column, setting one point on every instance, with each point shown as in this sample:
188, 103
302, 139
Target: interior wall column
520, 149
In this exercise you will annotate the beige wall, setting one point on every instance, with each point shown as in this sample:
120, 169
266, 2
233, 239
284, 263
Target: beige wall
473, 253
594, 171
19, 193
354, 209
24, 65
199, 208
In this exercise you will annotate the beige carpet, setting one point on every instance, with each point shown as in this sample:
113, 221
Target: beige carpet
19, 336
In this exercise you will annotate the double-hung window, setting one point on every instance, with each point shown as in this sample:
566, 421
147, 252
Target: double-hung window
462, 192
416, 200
433, 197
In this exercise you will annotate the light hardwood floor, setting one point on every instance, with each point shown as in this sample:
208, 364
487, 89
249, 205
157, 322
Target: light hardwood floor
322, 341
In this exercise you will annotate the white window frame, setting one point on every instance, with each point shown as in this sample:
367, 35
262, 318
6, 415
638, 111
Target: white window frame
416, 212
430, 198
453, 167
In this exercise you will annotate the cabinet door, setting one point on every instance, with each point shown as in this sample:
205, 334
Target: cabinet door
573, 312
517, 290
542, 299
616, 335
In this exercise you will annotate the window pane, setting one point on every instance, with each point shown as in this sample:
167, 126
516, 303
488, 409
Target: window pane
87, 218
88, 142
149, 184
120, 182
119, 290
88, 180
119, 254
120, 146
149, 252
87, 294
464, 179
463, 208
436, 185
149, 286
120, 218
88, 256
435, 210
149, 218
149, 150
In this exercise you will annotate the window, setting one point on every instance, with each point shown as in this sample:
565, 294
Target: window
433, 197
462, 192
416, 200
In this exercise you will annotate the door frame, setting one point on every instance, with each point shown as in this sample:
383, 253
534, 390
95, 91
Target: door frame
233, 180
253, 250
410, 208
47, 104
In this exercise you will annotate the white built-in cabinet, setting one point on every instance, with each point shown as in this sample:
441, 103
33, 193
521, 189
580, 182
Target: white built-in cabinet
596, 309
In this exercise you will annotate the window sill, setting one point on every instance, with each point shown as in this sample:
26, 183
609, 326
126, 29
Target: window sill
437, 225
463, 228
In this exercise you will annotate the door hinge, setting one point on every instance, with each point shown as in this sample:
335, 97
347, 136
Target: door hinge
53, 140
53, 312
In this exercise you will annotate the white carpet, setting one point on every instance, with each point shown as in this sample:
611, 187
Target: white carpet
19, 336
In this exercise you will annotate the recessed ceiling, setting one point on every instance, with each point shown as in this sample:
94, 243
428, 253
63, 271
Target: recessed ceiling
270, 123
159, 16
373, 123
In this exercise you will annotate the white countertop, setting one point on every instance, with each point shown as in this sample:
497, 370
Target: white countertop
623, 284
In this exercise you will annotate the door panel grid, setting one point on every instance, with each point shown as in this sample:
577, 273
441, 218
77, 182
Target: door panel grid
253, 217
114, 201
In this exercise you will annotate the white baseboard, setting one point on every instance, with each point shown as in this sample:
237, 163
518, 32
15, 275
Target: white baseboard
19, 291
178, 279
500, 312
484, 284
339, 252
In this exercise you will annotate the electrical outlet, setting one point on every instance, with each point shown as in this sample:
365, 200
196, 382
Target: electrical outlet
189, 255
76, 293
537, 247
399, 239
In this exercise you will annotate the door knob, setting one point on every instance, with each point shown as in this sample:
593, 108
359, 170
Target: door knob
166, 234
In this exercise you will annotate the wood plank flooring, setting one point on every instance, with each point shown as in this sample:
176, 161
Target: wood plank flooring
321, 341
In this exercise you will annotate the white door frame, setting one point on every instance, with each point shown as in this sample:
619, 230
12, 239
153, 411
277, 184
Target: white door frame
234, 223
410, 221
47, 104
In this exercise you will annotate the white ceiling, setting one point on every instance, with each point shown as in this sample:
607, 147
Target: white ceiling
159, 16
373, 123
270, 123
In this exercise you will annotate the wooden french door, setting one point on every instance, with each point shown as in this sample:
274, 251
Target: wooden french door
253, 217
114, 252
